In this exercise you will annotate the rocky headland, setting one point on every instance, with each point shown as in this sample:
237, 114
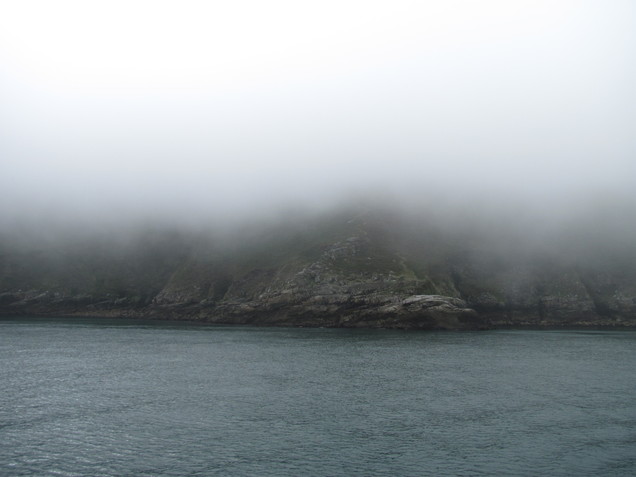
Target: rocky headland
363, 271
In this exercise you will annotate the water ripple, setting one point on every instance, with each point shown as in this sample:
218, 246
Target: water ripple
174, 401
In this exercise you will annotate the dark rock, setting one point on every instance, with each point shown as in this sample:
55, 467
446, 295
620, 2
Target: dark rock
354, 276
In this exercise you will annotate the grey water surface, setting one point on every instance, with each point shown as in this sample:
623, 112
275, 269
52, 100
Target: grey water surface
112, 397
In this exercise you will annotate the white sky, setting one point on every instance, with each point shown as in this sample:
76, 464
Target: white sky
174, 106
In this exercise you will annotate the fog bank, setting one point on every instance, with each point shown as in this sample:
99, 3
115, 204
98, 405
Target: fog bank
119, 112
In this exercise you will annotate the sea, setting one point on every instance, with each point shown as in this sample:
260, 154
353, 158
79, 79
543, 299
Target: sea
98, 397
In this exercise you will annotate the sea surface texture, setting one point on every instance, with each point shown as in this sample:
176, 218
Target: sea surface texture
115, 398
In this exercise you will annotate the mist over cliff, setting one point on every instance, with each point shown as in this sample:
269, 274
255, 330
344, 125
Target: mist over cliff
478, 152
355, 266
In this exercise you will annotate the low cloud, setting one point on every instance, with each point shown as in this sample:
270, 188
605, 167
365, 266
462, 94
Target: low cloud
174, 113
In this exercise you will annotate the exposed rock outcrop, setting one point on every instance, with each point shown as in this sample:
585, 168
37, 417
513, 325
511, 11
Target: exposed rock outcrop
351, 284
354, 274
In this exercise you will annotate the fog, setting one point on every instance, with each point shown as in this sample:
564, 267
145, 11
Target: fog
138, 111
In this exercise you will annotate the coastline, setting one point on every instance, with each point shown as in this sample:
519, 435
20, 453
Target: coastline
206, 315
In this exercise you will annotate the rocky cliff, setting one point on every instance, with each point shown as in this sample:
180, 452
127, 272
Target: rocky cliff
342, 272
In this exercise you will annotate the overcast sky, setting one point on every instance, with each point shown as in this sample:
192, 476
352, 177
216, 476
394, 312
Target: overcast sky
154, 107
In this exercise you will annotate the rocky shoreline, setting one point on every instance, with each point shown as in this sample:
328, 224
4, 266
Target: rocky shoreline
353, 274
429, 312
418, 312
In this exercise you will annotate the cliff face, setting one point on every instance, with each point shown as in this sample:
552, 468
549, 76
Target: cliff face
546, 293
344, 273
350, 284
